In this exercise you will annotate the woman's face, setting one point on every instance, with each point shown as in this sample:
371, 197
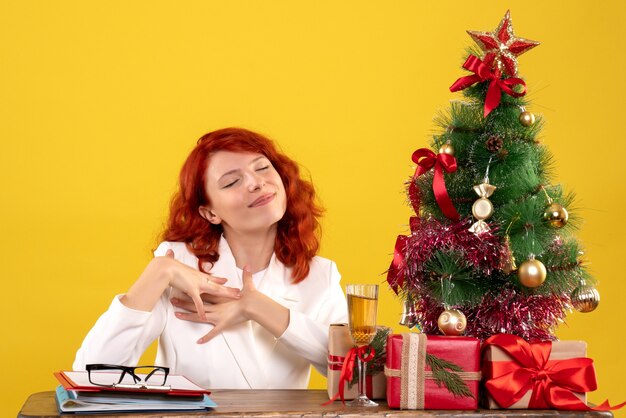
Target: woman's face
245, 192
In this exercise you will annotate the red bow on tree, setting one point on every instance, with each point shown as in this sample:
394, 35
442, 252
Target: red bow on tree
552, 381
425, 160
497, 85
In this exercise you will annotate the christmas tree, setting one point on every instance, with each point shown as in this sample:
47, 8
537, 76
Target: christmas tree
491, 248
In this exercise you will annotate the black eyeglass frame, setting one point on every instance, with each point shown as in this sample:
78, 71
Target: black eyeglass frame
139, 382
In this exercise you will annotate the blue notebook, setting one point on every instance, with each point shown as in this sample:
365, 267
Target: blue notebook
69, 401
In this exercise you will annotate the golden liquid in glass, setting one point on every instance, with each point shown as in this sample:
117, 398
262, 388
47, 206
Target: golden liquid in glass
362, 313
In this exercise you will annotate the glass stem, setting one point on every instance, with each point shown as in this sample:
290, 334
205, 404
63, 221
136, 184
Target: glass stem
362, 370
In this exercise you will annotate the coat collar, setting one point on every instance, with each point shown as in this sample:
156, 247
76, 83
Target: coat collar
276, 283
241, 340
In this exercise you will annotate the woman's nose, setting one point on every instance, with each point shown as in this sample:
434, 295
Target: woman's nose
256, 183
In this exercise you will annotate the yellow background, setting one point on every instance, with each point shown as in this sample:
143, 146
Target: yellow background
100, 102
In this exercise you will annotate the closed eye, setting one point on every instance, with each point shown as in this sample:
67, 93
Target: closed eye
230, 184
263, 168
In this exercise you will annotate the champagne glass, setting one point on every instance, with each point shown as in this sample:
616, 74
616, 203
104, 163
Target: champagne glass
362, 304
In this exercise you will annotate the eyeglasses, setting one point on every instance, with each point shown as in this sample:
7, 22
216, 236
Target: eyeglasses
140, 377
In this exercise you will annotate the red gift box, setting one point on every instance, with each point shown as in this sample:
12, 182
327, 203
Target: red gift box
410, 381
541, 375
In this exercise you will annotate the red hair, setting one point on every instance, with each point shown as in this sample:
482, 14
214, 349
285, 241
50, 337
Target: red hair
297, 239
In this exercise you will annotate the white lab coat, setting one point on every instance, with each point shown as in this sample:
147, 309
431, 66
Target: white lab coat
245, 356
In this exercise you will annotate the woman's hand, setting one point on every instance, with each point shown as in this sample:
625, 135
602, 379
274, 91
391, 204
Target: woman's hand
225, 313
194, 284
166, 271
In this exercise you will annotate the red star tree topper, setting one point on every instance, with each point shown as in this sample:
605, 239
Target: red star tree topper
501, 46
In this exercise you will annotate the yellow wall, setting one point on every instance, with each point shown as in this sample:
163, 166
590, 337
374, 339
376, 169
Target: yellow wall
100, 101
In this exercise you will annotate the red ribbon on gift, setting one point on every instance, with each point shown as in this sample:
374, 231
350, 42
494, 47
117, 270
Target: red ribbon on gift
497, 85
425, 160
552, 381
365, 353
369, 386
336, 363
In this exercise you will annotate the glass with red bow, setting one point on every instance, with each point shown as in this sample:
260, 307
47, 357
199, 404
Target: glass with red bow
362, 307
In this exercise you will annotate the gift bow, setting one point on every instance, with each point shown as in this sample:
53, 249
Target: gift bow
552, 381
365, 353
482, 72
425, 160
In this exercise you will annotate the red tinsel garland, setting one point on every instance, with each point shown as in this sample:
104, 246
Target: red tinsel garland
530, 316
429, 235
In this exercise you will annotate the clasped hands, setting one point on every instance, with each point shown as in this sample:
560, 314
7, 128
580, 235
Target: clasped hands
222, 310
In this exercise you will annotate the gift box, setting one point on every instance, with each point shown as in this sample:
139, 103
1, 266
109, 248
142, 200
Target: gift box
432, 372
339, 343
520, 375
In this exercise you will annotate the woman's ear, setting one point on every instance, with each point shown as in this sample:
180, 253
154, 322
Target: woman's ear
209, 215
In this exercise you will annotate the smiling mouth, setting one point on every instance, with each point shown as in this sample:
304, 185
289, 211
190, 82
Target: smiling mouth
263, 200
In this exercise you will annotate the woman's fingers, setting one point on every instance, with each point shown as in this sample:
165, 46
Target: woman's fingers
248, 281
197, 300
214, 299
189, 305
218, 280
194, 317
206, 298
219, 290
169, 253
208, 337
186, 304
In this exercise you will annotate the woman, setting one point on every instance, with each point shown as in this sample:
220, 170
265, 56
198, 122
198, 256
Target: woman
235, 293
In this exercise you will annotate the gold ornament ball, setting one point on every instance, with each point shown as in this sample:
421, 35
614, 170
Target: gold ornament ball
446, 149
585, 298
556, 215
452, 322
532, 273
526, 118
